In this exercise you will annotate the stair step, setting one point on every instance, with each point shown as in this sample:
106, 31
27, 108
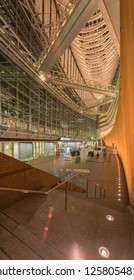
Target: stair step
24, 242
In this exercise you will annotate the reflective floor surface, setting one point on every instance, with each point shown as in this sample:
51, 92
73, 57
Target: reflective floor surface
90, 229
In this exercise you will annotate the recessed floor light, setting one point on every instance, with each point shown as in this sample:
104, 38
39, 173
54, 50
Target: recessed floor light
104, 252
110, 218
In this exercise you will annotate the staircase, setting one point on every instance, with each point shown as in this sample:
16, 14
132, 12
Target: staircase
82, 228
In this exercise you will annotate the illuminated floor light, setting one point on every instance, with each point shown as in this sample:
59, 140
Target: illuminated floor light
77, 254
110, 218
45, 230
119, 199
104, 252
119, 194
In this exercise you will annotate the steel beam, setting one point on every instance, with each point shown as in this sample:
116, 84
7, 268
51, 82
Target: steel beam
76, 21
82, 87
97, 104
110, 11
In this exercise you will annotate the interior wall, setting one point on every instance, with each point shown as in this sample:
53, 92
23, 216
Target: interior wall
123, 132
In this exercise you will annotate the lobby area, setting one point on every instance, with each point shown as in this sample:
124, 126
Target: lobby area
39, 227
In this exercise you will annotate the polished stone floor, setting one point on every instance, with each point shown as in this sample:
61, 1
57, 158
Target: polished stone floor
90, 229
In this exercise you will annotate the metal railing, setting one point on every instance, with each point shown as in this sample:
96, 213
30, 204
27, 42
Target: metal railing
25, 191
106, 122
99, 191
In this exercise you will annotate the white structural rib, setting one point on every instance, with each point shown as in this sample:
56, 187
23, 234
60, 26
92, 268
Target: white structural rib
83, 87
70, 29
97, 104
110, 11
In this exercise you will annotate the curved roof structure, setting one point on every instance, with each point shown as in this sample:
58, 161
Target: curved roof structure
71, 48
89, 38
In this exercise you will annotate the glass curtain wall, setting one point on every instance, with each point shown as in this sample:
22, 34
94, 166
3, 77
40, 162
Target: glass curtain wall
25, 104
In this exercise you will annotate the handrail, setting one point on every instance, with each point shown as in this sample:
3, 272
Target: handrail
66, 187
59, 185
27, 191
23, 191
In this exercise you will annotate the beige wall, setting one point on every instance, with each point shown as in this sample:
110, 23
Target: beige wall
123, 131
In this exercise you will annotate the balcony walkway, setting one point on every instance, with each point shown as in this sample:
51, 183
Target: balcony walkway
33, 228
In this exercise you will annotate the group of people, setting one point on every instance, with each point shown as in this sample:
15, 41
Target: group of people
97, 152
91, 153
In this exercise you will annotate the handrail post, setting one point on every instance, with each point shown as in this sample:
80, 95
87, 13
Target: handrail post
100, 191
87, 189
95, 191
109, 157
66, 187
104, 193
24, 174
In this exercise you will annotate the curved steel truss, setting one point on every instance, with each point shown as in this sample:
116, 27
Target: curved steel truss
69, 47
